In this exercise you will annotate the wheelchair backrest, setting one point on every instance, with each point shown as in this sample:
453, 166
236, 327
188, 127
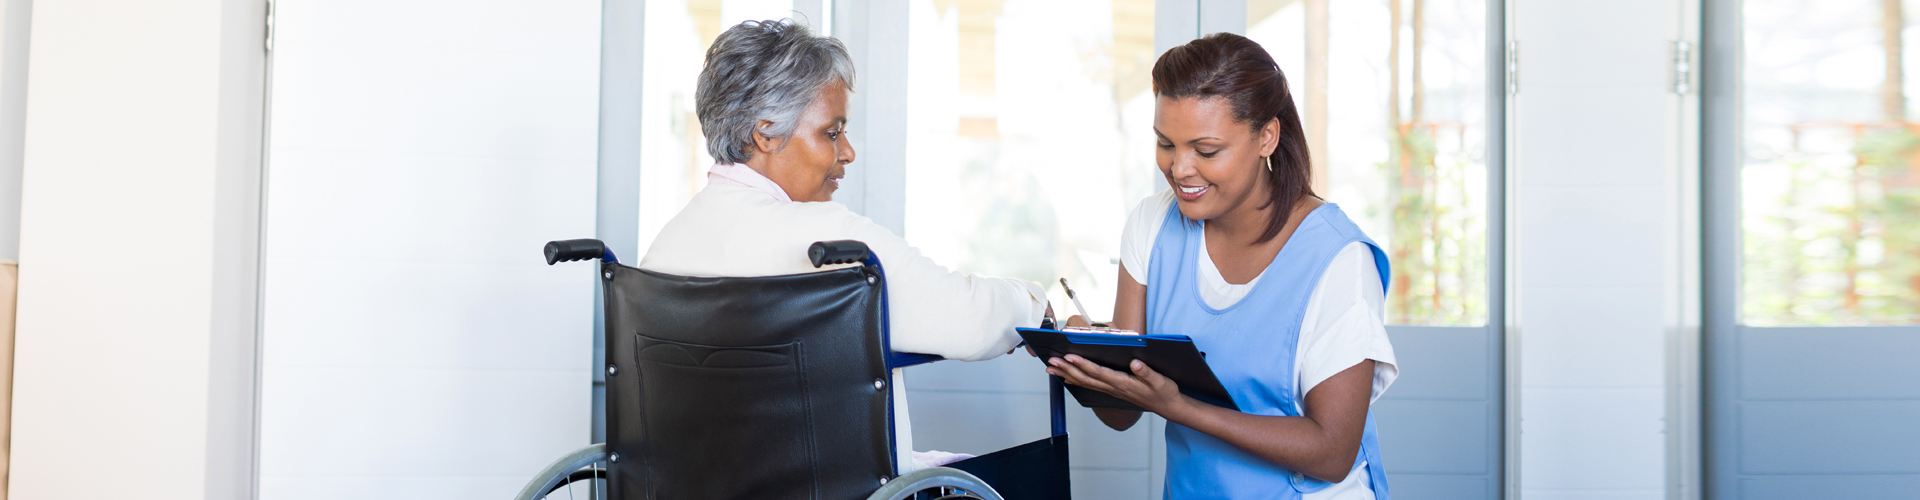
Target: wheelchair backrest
766, 387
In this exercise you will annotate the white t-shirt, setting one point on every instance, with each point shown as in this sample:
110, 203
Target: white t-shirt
1343, 326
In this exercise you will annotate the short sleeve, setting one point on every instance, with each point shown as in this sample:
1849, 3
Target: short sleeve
1345, 324
1143, 225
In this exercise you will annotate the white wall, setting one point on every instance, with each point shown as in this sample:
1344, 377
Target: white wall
1597, 189
137, 250
415, 343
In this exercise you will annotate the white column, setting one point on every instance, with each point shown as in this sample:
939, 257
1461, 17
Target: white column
1223, 16
1601, 211
138, 251
815, 14
875, 32
1177, 21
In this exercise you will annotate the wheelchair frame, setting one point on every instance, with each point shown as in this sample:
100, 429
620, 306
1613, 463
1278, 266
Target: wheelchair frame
586, 464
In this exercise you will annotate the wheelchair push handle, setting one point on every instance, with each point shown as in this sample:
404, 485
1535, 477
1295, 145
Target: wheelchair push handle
572, 250
837, 252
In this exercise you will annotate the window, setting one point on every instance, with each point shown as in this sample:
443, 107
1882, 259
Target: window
1393, 96
1030, 137
1830, 185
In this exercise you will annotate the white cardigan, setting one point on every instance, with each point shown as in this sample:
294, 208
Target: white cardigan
731, 230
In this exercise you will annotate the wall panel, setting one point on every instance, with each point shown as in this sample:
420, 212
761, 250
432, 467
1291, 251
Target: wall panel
414, 343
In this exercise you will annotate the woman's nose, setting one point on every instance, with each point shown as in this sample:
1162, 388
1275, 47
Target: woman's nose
1184, 166
844, 153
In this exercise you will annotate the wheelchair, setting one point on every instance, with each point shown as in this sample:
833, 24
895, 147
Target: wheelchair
766, 388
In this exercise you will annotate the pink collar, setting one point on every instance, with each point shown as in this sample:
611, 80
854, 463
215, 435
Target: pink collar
744, 176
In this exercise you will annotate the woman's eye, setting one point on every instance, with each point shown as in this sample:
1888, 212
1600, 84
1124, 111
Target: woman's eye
1164, 146
1207, 154
833, 136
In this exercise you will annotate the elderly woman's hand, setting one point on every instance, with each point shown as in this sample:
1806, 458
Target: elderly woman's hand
1074, 320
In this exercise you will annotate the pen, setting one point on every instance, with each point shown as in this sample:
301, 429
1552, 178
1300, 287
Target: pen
1076, 301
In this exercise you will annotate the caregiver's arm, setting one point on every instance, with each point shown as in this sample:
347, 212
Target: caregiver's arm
1322, 444
1129, 313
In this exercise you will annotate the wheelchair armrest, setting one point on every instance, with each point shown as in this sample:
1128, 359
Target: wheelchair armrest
1056, 390
906, 359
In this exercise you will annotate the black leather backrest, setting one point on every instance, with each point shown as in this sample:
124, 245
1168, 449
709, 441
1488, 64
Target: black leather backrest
757, 388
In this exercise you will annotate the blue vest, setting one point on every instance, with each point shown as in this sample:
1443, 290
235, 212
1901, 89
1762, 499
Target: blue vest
1250, 345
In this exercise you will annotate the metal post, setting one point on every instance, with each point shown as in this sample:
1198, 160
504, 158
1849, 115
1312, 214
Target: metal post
1057, 398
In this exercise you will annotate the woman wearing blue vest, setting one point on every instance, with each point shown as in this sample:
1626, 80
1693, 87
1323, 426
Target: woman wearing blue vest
1278, 287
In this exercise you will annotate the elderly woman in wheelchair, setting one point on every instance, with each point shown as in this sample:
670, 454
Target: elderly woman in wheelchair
737, 368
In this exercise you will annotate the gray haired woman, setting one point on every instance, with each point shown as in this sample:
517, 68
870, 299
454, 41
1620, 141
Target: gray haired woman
772, 100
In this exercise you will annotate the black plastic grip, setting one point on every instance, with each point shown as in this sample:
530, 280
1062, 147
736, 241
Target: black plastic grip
572, 250
837, 252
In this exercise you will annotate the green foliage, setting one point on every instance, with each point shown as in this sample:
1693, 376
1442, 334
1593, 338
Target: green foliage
1437, 240
1834, 238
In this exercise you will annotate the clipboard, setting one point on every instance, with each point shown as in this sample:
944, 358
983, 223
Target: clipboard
1172, 355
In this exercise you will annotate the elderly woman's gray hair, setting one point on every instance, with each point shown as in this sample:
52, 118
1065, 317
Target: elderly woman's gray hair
763, 70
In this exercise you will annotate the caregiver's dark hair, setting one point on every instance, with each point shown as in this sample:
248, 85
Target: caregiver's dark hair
1231, 67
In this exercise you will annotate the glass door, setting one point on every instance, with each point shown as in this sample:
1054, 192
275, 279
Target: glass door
1812, 178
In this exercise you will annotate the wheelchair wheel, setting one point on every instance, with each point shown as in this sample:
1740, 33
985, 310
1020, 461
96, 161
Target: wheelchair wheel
936, 483
580, 475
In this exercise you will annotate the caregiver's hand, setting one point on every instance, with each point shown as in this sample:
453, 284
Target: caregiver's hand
1143, 387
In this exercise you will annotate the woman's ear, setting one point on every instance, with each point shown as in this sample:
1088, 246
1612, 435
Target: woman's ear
1269, 137
761, 143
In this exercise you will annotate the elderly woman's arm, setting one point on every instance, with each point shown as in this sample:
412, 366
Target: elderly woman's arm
939, 311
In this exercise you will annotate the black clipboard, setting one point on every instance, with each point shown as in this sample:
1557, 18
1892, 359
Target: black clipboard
1172, 355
